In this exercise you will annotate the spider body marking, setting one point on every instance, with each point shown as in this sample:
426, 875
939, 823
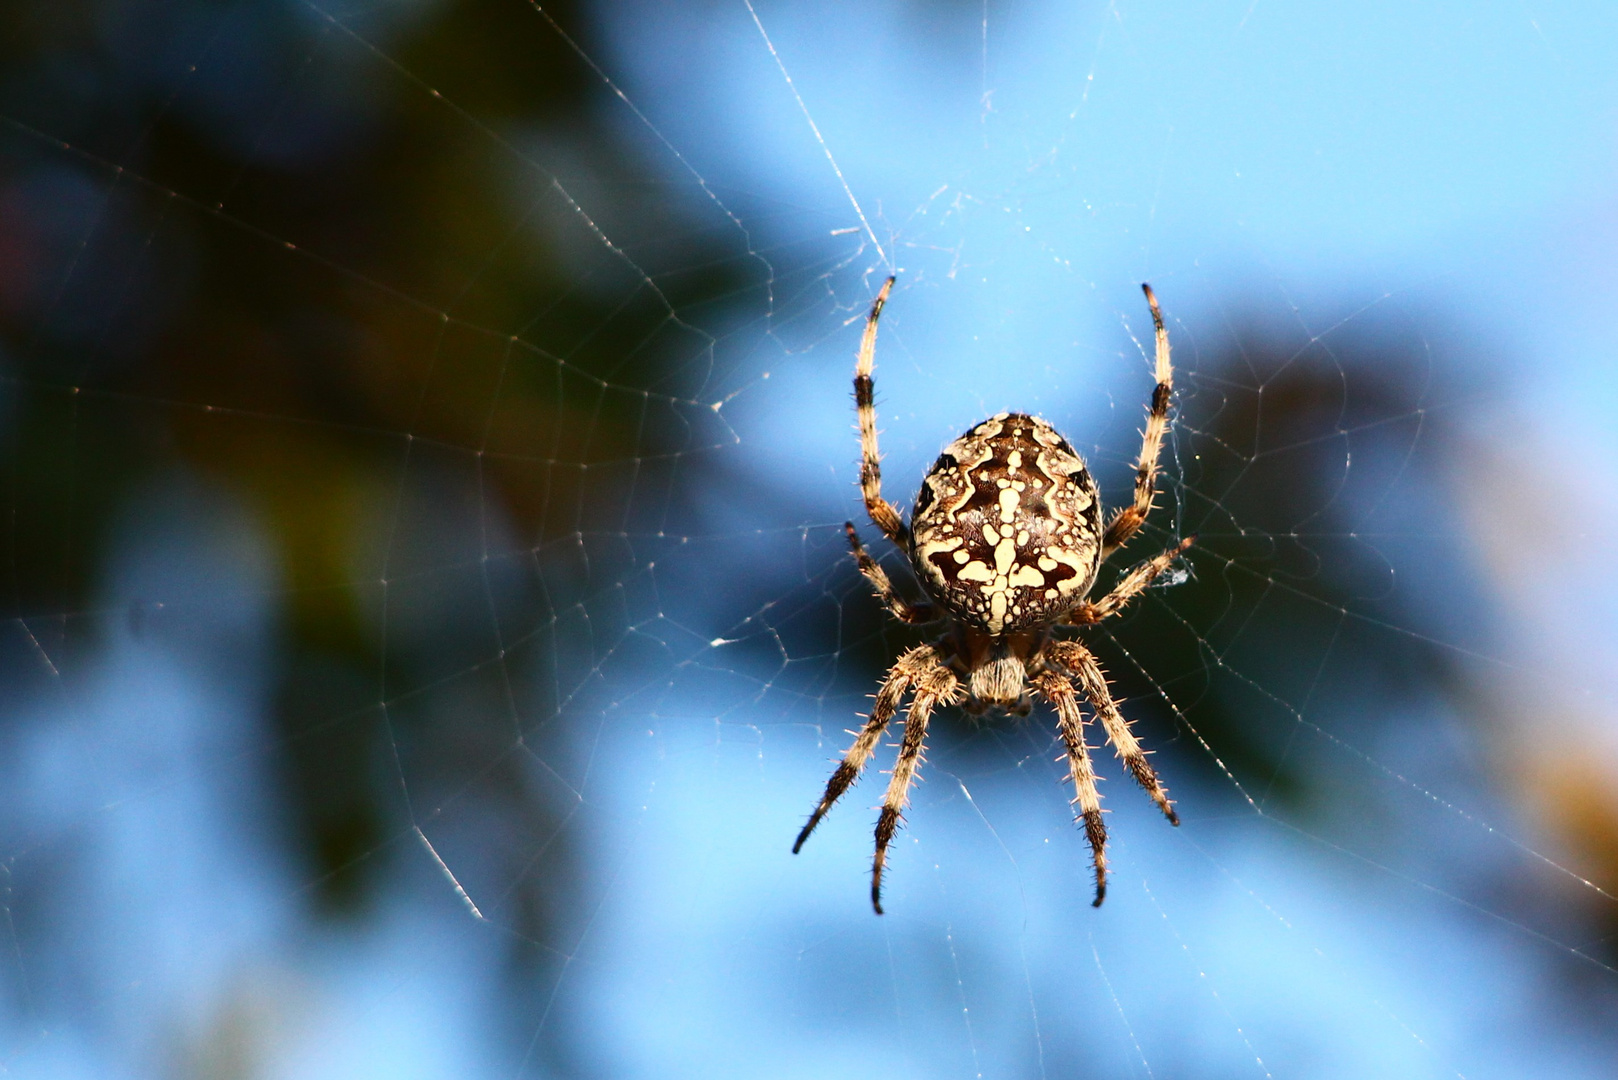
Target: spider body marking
1006, 531
1006, 537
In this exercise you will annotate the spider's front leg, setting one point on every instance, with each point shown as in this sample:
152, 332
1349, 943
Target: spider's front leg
937, 686
1087, 672
1056, 689
923, 660
883, 513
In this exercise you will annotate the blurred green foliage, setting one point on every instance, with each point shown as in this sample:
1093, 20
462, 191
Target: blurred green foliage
240, 240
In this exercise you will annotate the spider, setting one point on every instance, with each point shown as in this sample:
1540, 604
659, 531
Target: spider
1006, 539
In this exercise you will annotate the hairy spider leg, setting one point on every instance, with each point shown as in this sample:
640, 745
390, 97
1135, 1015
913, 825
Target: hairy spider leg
1129, 586
1058, 690
883, 513
910, 667
902, 609
936, 687
1129, 520
1081, 662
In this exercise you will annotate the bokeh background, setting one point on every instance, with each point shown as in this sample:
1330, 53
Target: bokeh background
424, 447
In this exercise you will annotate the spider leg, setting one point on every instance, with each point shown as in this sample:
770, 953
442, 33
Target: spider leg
1082, 664
883, 513
902, 609
1129, 586
1129, 520
938, 685
1058, 690
905, 672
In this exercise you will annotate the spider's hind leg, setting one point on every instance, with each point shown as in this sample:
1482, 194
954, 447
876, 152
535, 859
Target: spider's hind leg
902, 609
883, 513
1132, 517
1129, 586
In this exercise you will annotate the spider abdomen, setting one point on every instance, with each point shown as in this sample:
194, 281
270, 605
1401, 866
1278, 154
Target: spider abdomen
1006, 531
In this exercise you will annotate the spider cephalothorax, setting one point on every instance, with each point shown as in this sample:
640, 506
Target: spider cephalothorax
1006, 537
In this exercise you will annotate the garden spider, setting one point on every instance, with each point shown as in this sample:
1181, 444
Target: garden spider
1006, 538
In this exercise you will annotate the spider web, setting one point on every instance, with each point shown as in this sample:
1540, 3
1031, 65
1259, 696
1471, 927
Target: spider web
428, 438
